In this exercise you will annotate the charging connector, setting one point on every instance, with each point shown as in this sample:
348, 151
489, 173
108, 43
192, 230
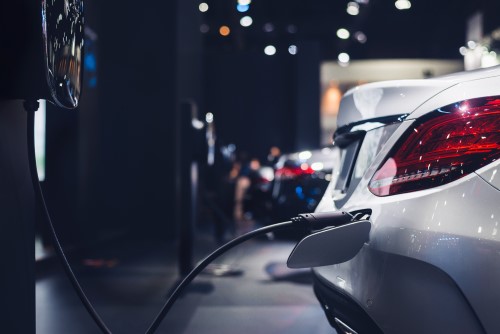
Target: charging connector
321, 220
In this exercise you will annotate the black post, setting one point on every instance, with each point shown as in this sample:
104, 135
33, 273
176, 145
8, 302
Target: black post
186, 182
17, 228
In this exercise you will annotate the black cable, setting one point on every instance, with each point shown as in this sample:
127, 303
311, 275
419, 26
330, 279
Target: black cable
31, 108
308, 221
202, 265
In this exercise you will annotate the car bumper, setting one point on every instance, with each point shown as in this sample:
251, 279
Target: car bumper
433, 261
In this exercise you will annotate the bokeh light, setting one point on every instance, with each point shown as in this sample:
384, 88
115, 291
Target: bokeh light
270, 50
246, 21
224, 30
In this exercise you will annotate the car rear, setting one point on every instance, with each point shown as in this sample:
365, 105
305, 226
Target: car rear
422, 158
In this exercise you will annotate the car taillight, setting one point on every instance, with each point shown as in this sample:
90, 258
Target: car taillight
295, 171
442, 147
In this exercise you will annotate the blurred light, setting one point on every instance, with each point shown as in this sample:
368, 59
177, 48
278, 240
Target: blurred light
246, 21
224, 30
242, 8
270, 50
471, 44
40, 139
268, 27
344, 59
326, 150
489, 59
291, 29
292, 49
330, 101
204, 28
317, 166
304, 166
244, 2
403, 4
363, 2
197, 124
343, 33
360, 37
305, 155
203, 7
352, 8
209, 117
496, 34
463, 50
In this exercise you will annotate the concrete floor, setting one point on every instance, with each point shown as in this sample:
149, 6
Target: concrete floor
129, 281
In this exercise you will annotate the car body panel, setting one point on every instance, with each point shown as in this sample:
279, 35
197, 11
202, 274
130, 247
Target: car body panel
490, 174
449, 232
378, 99
415, 97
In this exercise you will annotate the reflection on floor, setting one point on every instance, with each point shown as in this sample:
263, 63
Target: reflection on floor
128, 283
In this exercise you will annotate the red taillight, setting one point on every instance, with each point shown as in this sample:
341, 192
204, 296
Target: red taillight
444, 146
295, 171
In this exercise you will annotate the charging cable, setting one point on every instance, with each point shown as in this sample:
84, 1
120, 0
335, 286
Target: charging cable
308, 221
32, 106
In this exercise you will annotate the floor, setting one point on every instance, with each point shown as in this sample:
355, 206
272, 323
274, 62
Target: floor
129, 281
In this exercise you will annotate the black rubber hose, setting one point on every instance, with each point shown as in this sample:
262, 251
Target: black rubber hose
202, 265
69, 272
57, 245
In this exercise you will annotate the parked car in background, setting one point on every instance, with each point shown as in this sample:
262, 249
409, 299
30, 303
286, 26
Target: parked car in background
421, 158
300, 179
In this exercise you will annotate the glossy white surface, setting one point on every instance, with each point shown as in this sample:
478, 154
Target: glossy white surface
433, 261
491, 174
453, 228
379, 99
416, 97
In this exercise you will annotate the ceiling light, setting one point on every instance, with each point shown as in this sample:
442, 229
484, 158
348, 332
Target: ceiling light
224, 30
270, 50
204, 28
242, 8
244, 2
292, 49
268, 27
291, 29
360, 37
203, 7
343, 59
403, 4
352, 8
343, 33
246, 21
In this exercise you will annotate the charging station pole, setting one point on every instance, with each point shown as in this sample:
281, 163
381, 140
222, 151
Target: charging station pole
17, 227
186, 176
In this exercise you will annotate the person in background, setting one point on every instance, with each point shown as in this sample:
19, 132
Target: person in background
243, 204
273, 156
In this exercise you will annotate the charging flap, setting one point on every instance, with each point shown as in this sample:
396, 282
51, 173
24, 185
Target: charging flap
330, 246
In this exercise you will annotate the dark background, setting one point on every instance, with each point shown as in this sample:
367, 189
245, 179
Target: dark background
110, 164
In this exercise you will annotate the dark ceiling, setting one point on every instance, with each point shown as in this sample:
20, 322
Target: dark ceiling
429, 29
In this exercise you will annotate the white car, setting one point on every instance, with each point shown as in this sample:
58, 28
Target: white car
420, 158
